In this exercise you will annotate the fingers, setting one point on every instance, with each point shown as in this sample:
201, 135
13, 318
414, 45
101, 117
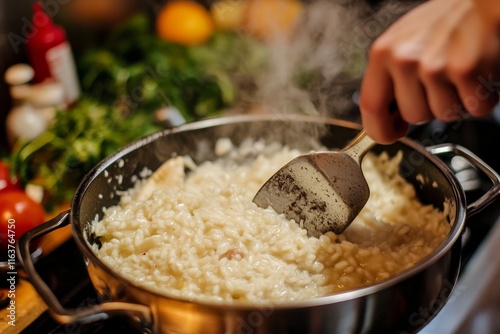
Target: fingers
472, 66
424, 89
410, 93
440, 60
380, 123
443, 99
455, 87
453, 96
477, 97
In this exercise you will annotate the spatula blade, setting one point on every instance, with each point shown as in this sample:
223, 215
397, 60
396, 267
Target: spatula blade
320, 191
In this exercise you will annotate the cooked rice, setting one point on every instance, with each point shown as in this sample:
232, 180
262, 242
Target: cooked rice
201, 237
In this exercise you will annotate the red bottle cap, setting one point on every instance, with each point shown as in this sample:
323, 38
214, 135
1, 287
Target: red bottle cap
45, 36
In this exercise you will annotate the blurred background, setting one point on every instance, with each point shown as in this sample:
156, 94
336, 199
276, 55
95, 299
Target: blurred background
88, 23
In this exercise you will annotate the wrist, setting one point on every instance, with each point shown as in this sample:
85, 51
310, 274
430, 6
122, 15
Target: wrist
490, 11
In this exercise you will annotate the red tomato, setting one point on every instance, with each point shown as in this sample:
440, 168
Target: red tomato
18, 214
7, 182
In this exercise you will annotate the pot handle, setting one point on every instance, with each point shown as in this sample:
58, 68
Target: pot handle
81, 315
475, 161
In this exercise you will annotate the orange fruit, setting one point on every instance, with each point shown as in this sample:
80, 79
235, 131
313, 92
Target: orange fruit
185, 22
269, 19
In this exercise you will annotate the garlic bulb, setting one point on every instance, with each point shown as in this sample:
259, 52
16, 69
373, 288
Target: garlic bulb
24, 123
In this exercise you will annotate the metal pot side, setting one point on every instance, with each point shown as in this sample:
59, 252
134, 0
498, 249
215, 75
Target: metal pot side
402, 303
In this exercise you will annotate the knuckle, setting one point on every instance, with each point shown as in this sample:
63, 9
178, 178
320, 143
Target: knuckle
462, 73
380, 49
381, 45
403, 62
430, 71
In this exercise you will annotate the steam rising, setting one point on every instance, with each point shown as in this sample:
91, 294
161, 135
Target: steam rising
320, 69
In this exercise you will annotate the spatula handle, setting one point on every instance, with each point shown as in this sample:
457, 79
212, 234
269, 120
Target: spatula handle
358, 147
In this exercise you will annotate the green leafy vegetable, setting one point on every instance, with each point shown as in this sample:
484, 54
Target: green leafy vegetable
78, 139
139, 70
124, 83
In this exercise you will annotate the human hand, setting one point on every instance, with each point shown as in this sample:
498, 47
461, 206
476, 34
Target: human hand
440, 60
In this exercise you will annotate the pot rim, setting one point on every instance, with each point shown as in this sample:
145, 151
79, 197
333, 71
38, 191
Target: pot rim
427, 261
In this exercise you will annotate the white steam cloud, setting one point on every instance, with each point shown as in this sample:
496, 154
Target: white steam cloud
318, 72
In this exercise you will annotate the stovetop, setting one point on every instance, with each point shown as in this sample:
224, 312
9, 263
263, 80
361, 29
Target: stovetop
65, 272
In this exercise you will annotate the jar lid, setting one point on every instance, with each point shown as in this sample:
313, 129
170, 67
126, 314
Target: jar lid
19, 74
20, 93
47, 94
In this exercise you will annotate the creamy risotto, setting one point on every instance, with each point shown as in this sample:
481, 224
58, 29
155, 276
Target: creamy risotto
198, 235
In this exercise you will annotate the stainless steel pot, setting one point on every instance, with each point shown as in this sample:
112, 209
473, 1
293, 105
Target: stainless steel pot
402, 303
